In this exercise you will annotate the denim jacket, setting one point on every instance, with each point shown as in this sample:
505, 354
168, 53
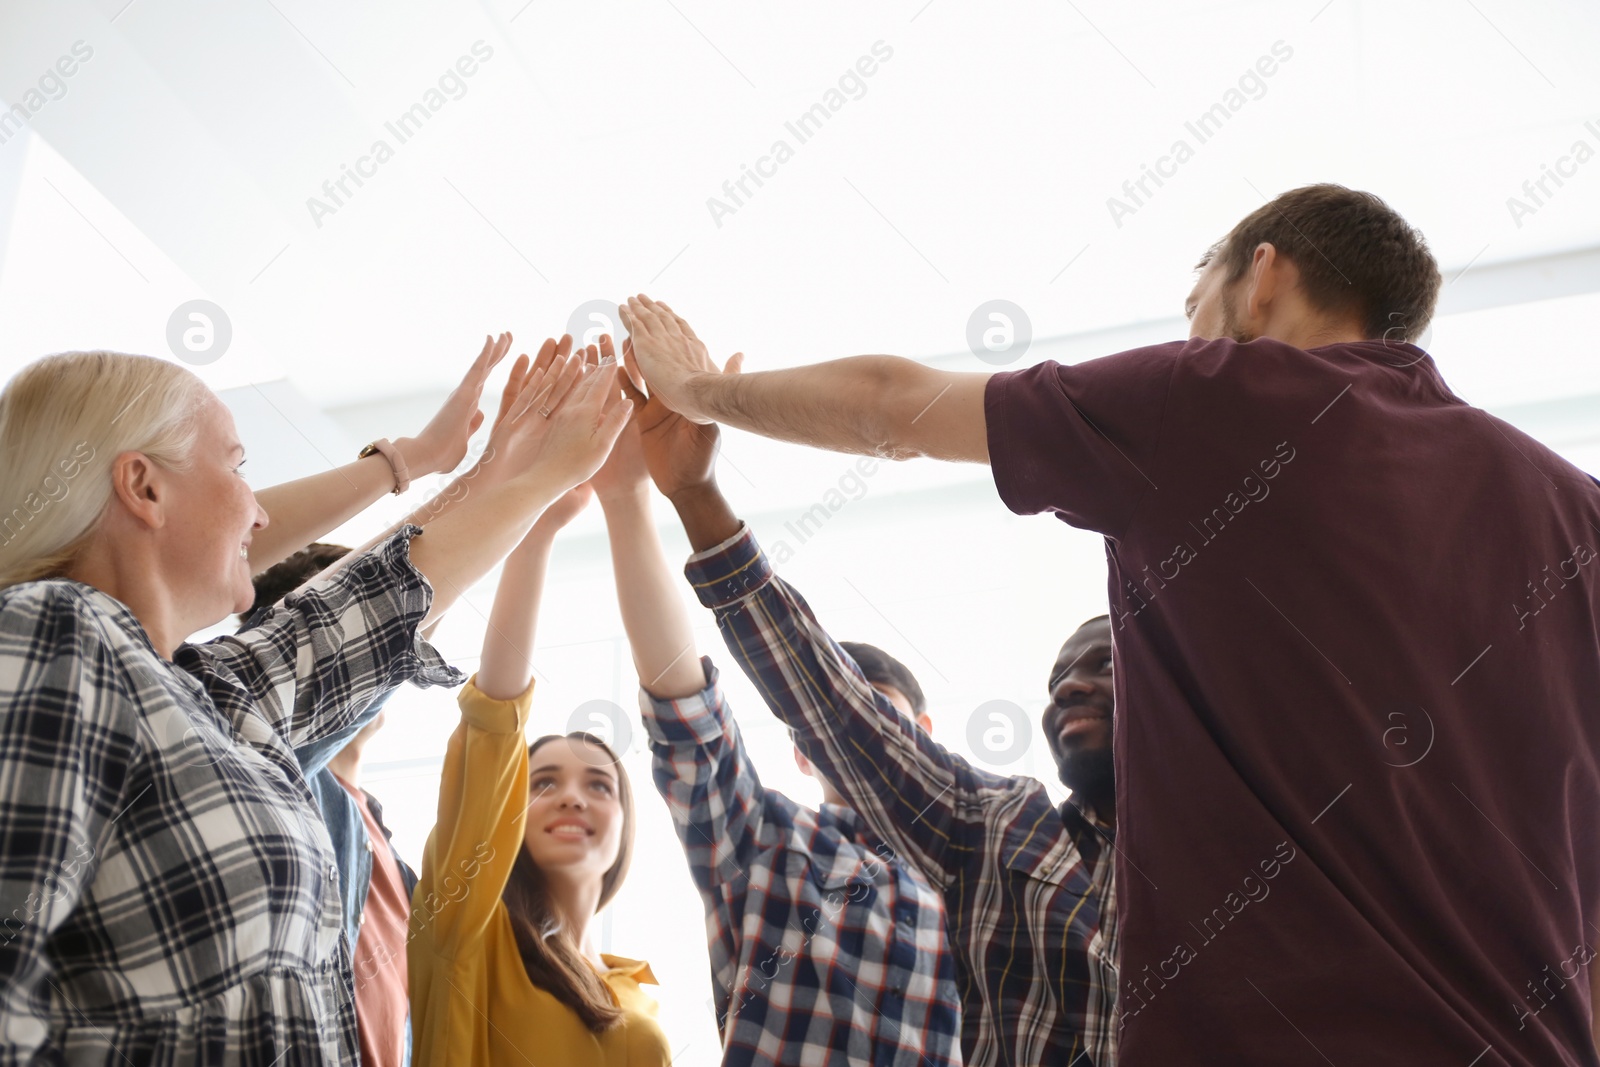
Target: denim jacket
352, 845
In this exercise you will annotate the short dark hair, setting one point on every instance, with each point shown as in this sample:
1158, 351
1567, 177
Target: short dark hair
1356, 256
283, 578
880, 668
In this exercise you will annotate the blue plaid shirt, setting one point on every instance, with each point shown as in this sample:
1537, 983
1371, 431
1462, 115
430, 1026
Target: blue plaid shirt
1028, 885
825, 949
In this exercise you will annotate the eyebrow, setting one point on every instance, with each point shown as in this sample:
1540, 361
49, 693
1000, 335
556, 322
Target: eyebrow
1098, 648
598, 772
1211, 253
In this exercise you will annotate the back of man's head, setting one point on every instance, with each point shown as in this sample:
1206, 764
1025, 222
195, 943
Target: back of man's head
1356, 257
283, 578
884, 671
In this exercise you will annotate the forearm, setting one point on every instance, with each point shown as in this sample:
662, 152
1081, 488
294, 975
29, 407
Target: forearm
653, 611
872, 405
911, 791
708, 519
506, 669
464, 544
483, 793
304, 510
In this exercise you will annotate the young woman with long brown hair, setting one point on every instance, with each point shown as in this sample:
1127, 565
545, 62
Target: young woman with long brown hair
531, 843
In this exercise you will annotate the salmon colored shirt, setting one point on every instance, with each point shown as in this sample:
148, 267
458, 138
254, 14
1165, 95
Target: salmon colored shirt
471, 1000
380, 969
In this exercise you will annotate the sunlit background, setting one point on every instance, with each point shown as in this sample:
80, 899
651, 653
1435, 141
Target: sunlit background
541, 160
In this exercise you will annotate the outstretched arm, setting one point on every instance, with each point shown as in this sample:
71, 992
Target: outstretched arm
874, 405
723, 814
304, 510
916, 795
559, 433
506, 669
653, 612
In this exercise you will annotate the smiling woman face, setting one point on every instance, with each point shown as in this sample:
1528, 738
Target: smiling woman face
211, 516
575, 816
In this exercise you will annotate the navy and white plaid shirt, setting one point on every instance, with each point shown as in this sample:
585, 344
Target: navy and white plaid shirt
825, 949
1028, 886
167, 889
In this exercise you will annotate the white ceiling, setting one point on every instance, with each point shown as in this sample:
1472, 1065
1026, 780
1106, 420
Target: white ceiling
578, 163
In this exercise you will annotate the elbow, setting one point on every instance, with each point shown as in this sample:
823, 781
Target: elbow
892, 387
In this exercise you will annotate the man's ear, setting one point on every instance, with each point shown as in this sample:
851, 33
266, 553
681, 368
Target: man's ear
1264, 280
925, 722
141, 488
803, 763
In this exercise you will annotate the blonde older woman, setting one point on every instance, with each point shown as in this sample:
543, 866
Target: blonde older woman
167, 891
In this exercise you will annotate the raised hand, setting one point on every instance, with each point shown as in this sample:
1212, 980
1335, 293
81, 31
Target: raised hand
519, 430
679, 454
668, 353
624, 471
443, 442
586, 411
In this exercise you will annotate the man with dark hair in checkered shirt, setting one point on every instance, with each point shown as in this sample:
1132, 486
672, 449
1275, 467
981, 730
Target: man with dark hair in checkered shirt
826, 948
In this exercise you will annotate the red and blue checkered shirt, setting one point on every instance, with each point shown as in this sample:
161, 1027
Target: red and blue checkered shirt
1028, 886
824, 948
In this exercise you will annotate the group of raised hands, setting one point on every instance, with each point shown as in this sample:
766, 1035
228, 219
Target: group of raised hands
581, 418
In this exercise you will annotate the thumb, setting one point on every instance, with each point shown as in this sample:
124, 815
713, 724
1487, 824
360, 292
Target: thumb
614, 418
735, 364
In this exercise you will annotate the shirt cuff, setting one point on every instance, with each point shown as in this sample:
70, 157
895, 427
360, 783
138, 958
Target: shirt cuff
483, 712
729, 572
698, 719
394, 555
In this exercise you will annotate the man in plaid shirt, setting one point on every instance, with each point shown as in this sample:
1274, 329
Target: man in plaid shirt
1027, 886
825, 947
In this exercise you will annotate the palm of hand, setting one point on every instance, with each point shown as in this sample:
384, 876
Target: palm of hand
624, 468
678, 452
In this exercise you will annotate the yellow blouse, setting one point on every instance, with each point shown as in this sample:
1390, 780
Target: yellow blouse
471, 1001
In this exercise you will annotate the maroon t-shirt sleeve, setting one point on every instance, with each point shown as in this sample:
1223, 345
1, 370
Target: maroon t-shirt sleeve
1080, 440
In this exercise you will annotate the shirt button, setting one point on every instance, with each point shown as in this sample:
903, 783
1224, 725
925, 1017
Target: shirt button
333, 870
369, 844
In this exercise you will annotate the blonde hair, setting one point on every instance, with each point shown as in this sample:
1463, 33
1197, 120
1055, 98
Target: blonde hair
63, 420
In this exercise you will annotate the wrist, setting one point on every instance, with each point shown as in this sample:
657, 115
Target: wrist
707, 517
416, 456
698, 496
693, 390
625, 498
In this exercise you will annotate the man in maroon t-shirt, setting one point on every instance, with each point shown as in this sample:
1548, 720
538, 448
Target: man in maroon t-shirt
1356, 641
